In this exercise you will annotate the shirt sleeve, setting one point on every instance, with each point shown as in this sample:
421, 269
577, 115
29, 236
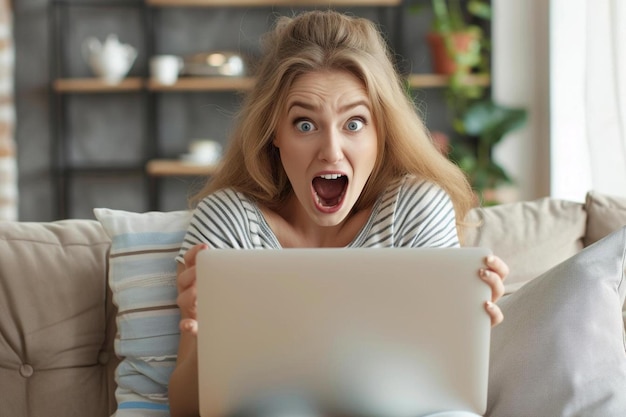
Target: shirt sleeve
219, 221
425, 216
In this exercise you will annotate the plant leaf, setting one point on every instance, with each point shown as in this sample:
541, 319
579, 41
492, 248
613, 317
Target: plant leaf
491, 121
480, 8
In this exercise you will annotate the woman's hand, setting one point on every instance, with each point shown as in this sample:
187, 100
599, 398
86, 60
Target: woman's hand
493, 274
183, 386
186, 285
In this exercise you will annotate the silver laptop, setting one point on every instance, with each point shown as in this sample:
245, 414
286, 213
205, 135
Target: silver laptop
361, 332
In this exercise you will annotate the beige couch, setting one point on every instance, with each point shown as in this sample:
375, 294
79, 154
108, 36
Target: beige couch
58, 322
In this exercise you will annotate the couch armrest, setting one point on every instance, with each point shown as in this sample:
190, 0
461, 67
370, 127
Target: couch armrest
56, 320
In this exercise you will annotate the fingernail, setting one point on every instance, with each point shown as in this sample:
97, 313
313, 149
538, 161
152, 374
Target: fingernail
484, 273
490, 305
490, 259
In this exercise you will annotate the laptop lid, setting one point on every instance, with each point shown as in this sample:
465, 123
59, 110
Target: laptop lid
396, 332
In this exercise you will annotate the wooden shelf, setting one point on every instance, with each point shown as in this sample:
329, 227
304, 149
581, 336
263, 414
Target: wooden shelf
176, 167
205, 84
108, 170
260, 3
437, 81
96, 85
199, 84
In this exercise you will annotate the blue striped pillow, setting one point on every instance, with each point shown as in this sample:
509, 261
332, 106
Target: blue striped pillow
142, 277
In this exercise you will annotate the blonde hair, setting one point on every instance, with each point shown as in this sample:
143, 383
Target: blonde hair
327, 40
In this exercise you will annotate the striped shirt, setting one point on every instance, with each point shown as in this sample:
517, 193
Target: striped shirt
409, 213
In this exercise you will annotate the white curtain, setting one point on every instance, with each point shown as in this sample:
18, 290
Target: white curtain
588, 97
8, 165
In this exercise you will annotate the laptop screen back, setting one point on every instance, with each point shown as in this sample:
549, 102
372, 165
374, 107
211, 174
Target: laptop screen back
375, 332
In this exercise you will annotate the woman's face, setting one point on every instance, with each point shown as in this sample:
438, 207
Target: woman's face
328, 143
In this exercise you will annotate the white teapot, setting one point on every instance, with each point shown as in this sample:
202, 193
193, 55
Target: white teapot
110, 60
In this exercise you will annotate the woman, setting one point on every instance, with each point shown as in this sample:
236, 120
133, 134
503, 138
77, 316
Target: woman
328, 152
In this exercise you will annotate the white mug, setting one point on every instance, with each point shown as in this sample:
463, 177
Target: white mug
165, 68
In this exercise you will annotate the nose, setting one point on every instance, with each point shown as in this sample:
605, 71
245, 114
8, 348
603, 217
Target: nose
331, 149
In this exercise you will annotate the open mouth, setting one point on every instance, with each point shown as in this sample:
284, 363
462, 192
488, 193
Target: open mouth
330, 189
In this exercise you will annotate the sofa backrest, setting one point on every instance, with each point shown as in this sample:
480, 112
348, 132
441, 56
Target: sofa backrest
57, 323
531, 236
534, 236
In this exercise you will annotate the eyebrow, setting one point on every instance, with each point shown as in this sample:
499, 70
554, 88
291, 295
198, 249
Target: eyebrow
342, 109
306, 106
357, 103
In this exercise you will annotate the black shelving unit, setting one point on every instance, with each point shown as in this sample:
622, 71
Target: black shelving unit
65, 171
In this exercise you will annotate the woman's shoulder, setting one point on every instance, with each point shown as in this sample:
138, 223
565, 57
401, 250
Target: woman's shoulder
228, 204
413, 212
226, 197
226, 218
417, 196
411, 197
413, 186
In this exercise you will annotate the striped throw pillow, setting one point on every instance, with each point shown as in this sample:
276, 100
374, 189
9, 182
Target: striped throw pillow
142, 277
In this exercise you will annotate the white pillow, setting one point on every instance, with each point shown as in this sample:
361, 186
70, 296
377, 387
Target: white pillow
142, 277
560, 349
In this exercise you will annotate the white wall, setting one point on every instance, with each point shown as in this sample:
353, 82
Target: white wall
520, 71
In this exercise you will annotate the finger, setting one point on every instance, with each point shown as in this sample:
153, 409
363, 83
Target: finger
189, 326
187, 302
186, 279
190, 255
495, 283
494, 313
497, 265
187, 274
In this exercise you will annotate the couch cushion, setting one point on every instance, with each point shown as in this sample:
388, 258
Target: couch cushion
56, 352
142, 277
605, 214
531, 237
560, 349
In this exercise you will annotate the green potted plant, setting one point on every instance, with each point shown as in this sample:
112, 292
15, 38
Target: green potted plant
482, 127
460, 47
478, 123
455, 44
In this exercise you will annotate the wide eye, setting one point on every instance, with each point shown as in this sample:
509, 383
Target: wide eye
305, 126
354, 125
